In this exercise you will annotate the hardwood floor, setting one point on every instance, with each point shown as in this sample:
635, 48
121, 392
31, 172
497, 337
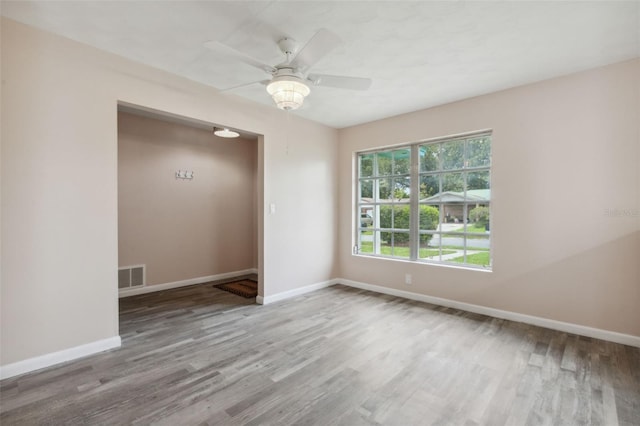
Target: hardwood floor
198, 355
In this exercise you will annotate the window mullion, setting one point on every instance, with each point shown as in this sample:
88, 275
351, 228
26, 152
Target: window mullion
376, 209
414, 223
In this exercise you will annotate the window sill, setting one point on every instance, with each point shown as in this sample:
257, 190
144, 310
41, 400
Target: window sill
425, 262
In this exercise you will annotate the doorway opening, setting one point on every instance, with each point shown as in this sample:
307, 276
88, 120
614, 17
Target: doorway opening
188, 205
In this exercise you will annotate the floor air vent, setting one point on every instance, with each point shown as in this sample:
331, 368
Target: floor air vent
131, 276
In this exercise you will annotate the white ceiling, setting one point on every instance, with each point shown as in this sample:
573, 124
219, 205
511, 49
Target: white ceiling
419, 54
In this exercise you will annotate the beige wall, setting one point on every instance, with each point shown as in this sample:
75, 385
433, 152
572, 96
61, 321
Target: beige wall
60, 186
183, 229
564, 151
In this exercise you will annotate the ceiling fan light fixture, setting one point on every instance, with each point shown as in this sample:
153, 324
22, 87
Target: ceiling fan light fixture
288, 92
225, 133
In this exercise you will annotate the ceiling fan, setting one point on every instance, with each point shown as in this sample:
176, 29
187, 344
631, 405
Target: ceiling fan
290, 80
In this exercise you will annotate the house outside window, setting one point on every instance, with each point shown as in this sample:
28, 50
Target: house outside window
427, 202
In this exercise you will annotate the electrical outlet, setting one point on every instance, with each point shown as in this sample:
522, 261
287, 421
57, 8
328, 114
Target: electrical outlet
407, 279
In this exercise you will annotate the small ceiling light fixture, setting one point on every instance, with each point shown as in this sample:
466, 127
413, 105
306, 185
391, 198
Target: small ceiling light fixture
225, 133
288, 91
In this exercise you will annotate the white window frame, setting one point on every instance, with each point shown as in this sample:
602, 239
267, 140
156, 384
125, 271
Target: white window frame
414, 202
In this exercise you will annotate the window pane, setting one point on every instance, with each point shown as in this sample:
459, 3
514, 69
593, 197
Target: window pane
429, 217
478, 181
366, 189
477, 252
453, 242
383, 189
478, 219
459, 258
429, 157
366, 165
401, 244
452, 155
401, 217
453, 182
366, 241
385, 246
429, 187
384, 163
367, 216
386, 216
477, 243
401, 161
430, 248
427, 249
453, 217
478, 152
401, 188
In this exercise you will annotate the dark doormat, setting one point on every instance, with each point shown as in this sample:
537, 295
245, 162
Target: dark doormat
244, 288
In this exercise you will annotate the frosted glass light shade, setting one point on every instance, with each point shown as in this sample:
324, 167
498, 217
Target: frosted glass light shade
225, 133
288, 93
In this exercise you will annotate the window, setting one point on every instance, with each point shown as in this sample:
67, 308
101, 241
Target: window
427, 202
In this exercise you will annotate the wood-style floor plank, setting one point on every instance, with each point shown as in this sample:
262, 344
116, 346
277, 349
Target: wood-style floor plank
337, 356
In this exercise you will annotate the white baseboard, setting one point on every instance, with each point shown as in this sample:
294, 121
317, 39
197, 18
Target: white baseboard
36, 363
596, 333
192, 281
295, 292
53, 358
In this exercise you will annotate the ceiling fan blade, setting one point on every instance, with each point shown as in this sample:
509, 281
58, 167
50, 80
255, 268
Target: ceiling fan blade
229, 51
239, 86
322, 42
342, 82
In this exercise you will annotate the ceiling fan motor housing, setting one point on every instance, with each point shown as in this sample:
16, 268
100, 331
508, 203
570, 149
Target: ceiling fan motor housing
289, 47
